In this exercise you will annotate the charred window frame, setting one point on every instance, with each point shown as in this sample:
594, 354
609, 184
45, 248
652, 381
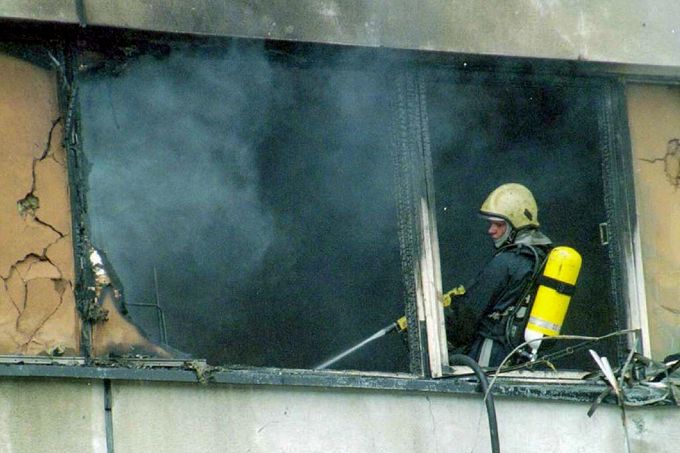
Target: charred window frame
409, 144
622, 228
618, 229
417, 221
297, 61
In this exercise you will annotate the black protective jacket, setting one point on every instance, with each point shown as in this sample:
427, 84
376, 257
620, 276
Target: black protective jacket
499, 285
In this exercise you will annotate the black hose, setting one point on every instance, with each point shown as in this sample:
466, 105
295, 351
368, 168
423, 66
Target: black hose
461, 359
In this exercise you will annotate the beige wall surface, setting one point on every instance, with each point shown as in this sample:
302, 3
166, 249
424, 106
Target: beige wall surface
175, 418
37, 306
630, 32
654, 121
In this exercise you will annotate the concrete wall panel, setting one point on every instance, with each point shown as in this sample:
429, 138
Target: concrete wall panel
48, 10
48, 416
179, 418
631, 32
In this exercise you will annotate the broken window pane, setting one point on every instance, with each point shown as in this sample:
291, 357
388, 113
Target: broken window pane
251, 198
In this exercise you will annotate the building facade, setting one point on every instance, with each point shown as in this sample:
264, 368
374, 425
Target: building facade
204, 201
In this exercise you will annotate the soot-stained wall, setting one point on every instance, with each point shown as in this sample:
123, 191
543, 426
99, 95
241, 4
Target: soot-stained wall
251, 197
37, 307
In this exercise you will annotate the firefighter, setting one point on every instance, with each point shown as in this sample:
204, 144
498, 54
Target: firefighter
476, 320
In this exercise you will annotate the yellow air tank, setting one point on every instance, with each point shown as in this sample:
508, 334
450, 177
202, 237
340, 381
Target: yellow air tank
556, 286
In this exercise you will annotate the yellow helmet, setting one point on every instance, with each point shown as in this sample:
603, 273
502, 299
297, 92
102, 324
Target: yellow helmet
513, 203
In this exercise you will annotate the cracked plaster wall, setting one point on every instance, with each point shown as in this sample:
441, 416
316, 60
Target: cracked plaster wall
654, 121
37, 306
38, 313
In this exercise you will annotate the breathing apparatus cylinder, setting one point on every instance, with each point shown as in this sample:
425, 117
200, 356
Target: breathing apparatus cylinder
556, 286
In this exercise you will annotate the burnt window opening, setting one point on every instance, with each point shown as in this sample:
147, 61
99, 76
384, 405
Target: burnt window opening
250, 195
549, 135
252, 200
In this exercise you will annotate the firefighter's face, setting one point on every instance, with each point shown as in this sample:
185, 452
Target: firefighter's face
497, 229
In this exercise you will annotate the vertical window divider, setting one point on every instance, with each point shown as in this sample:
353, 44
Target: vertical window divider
619, 184
431, 267
418, 228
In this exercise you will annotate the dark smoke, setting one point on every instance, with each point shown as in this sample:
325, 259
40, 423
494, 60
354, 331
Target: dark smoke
259, 186
260, 192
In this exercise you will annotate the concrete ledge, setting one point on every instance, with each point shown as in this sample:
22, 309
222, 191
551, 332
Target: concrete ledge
514, 386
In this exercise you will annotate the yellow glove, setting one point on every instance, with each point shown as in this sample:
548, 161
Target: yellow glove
446, 301
402, 324
447, 297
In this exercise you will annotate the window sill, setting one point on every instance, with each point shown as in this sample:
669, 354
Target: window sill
563, 386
